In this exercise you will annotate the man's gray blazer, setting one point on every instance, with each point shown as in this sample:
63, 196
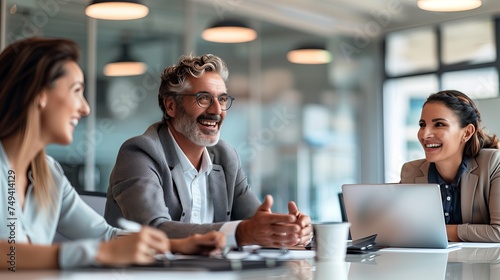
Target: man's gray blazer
147, 186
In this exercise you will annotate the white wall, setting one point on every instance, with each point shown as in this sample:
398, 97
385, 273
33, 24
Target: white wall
489, 109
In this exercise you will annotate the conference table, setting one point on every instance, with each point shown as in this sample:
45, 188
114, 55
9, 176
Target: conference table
470, 261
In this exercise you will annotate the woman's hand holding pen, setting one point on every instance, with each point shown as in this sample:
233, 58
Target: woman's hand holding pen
135, 248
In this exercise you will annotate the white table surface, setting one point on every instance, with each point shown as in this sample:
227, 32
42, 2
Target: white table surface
471, 261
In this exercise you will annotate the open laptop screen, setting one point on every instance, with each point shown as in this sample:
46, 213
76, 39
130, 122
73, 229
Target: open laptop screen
402, 215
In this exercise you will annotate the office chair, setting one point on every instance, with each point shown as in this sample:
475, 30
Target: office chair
96, 200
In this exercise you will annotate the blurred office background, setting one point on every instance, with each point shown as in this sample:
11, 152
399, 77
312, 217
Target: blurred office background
302, 130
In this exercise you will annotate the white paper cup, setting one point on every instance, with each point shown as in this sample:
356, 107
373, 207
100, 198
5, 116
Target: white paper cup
331, 241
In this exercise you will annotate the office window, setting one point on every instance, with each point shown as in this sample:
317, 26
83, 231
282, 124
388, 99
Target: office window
476, 83
403, 100
330, 131
470, 41
411, 51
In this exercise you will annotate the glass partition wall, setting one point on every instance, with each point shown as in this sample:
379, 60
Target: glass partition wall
294, 126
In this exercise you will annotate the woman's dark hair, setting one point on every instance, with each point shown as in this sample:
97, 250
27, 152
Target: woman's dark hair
27, 67
467, 112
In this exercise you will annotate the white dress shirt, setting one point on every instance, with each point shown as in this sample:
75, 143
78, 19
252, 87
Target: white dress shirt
201, 201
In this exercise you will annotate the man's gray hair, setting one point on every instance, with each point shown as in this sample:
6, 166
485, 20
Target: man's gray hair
173, 78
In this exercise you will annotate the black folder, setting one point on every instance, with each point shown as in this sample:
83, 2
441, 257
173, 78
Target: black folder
213, 264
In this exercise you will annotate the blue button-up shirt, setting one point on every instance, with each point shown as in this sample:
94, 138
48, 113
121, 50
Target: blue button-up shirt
450, 193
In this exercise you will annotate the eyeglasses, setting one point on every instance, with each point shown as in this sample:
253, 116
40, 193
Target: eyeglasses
252, 253
205, 99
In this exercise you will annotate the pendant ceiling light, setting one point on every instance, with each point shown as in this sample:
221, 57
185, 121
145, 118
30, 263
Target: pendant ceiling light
448, 5
309, 54
125, 65
116, 9
229, 31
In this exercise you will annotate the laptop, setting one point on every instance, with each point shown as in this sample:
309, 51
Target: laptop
402, 215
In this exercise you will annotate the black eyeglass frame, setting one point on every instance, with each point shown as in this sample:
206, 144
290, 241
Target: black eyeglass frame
229, 100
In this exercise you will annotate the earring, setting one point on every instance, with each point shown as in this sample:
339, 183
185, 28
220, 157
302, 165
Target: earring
43, 104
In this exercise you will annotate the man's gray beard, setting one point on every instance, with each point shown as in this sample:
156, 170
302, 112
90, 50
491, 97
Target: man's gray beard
184, 124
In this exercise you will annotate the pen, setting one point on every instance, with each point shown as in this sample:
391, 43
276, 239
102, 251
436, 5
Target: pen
129, 225
136, 227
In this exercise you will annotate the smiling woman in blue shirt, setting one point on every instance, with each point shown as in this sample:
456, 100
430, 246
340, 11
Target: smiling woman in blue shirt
464, 161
